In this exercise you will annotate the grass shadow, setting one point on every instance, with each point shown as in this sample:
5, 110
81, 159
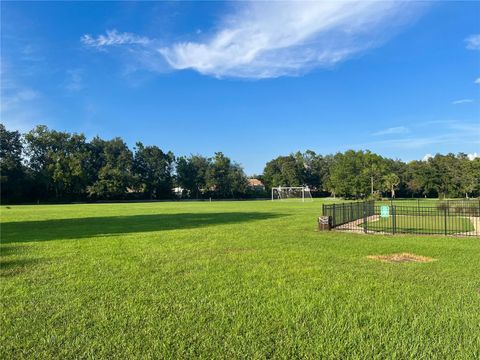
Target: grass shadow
9, 268
56, 229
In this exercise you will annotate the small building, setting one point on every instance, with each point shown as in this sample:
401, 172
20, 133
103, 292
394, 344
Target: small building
256, 184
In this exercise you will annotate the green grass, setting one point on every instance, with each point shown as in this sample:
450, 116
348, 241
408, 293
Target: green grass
227, 280
422, 224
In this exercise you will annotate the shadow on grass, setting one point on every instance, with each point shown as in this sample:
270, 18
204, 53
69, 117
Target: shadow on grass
9, 268
56, 229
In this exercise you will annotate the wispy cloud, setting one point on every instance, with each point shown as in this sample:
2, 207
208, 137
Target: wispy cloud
462, 101
19, 105
12, 98
393, 131
473, 42
272, 39
113, 38
477, 81
74, 80
432, 134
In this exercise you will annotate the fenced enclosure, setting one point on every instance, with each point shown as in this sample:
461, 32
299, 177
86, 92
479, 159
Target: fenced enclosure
449, 217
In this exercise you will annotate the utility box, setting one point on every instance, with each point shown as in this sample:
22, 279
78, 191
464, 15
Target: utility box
324, 223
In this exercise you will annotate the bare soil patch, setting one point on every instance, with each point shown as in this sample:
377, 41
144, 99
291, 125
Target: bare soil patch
401, 258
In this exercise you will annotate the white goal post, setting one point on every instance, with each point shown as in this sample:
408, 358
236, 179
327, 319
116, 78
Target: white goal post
291, 192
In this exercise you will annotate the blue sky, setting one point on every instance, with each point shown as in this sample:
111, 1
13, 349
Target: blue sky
252, 79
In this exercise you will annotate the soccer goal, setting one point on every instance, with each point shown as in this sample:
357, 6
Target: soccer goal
291, 193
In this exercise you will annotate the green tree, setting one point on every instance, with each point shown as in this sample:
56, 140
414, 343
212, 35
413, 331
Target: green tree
469, 171
224, 178
391, 182
346, 175
114, 163
57, 161
192, 174
373, 170
285, 171
12, 172
153, 170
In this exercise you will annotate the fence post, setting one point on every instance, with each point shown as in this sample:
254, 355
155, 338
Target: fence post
365, 219
445, 218
323, 209
334, 218
394, 220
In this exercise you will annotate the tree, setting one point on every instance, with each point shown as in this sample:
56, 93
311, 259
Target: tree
12, 172
469, 175
238, 180
284, 171
373, 170
153, 171
224, 178
192, 174
346, 175
114, 163
313, 169
57, 161
391, 182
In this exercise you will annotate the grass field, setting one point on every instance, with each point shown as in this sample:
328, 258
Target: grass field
227, 280
423, 224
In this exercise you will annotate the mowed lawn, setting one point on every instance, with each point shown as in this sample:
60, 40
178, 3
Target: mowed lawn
423, 224
227, 280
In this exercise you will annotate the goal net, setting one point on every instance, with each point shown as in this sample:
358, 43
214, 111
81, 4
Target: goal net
301, 193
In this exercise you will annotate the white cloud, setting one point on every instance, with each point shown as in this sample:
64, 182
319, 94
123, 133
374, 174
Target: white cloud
427, 157
16, 97
432, 134
473, 156
392, 130
473, 42
19, 104
112, 38
19, 108
272, 39
462, 101
477, 81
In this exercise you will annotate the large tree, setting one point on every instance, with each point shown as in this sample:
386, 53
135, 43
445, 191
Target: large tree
115, 169
285, 171
12, 172
391, 182
224, 178
57, 161
192, 174
374, 168
153, 170
346, 175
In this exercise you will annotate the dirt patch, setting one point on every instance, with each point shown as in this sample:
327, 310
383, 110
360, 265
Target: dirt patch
401, 258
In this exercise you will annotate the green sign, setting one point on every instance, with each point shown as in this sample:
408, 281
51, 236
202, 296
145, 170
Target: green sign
385, 211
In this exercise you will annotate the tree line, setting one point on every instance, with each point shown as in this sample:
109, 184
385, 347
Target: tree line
362, 174
48, 165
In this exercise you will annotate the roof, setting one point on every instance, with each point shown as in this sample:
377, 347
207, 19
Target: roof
254, 182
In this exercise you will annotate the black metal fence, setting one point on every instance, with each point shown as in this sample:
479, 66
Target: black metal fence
442, 218
347, 212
